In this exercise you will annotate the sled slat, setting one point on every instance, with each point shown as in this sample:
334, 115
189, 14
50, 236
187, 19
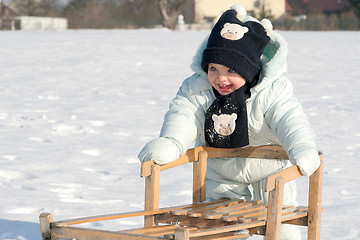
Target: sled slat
288, 175
249, 212
76, 221
223, 236
191, 155
224, 229
202, 207
231, 209
267, 152
231, 206
91, 234
225, 212
156, 231
315, 198
199, 178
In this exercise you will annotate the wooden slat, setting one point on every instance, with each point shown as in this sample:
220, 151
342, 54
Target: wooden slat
146, 168
273, 219
241, 203
191, 155
248, 212
315, 199
223, 236
286, 211
258, 230
263, 152
294, 215
287, 174
150, 230
227, 211
152, 194
228, 228
284, 218
91, 234
157, 231
205, 206
292, 210
181, 233
184, 220
302, 221
199, 178
167, 232
45, 220
206, 212
98, 218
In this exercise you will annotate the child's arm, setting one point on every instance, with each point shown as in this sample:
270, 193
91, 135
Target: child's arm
182, 126
290, 125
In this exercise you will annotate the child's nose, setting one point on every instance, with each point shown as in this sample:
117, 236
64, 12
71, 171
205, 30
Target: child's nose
222, 78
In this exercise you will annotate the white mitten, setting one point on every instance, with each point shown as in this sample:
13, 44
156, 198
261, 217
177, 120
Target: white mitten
161, 150
306, 158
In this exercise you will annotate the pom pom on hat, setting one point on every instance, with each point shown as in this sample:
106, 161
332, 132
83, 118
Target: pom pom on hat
241, 15
267, 25
241, 11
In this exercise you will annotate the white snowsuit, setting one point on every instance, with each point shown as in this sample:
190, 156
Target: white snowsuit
274, 114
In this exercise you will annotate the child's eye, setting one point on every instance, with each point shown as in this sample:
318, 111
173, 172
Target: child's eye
213, 68
231, 71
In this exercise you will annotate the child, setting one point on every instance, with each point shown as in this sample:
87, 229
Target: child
239, 96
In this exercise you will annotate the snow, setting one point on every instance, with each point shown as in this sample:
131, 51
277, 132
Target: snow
76, 107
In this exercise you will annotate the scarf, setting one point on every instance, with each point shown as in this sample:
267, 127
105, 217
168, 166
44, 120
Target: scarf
226, 124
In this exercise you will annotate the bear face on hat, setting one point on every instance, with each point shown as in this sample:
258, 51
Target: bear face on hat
233, 31
237, 45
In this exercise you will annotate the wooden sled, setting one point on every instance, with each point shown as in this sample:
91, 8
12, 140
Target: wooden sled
204, 220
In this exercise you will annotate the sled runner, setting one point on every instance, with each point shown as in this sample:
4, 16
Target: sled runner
204, 220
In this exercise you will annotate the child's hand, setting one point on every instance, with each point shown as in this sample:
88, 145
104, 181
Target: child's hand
306, 158
161, 150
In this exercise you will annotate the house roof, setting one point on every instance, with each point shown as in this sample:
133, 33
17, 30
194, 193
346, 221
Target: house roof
296, 6
6, 10
327, 5
305, 6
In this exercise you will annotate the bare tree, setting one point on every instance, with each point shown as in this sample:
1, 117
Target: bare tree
137, 13
37, 7
170, 10
94, 15
88, 14
122, 13
355, 4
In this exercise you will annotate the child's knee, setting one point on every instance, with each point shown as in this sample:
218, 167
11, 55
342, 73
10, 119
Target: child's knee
290, 192
217, 190
290, 232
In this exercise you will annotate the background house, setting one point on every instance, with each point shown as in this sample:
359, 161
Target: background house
286, 14
205, 11
300, 7
327, 6
11, 19
8, 17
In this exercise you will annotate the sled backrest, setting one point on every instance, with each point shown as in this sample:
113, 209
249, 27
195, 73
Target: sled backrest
199, 157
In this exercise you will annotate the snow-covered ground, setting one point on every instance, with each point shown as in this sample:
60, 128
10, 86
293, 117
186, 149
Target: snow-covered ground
77, 106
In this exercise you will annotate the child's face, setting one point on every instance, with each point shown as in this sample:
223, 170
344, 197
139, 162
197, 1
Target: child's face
223, 79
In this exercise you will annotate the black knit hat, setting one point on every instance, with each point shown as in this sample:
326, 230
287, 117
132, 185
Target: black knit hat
237, 45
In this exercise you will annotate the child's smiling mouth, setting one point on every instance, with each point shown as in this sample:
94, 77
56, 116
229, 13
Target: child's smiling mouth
224, 87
